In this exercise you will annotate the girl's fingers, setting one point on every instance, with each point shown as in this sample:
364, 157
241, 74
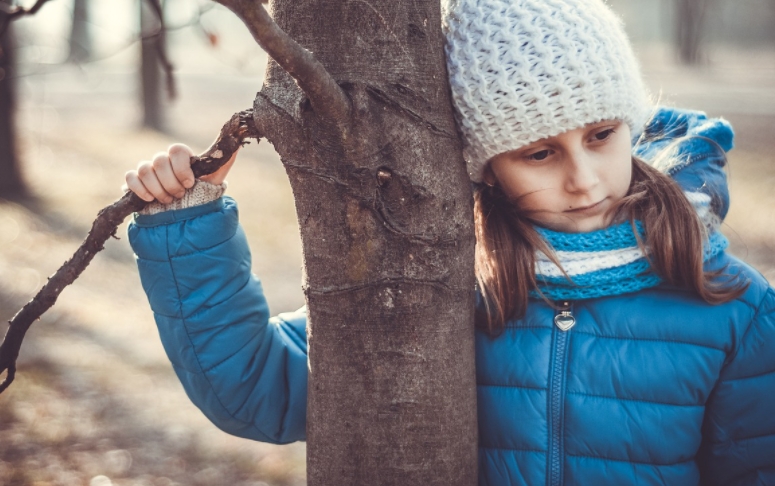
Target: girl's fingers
149, 179
166, 175
134, 184
165, 178
180, 157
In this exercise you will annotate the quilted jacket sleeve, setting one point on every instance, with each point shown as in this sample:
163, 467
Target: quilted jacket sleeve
691, 148
739, 429
246, 371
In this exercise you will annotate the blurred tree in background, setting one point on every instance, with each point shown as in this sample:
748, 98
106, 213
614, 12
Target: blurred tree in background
80, 36
689, 28
152, 91
11, 183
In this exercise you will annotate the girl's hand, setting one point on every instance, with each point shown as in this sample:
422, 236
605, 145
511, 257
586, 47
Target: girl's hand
169, 175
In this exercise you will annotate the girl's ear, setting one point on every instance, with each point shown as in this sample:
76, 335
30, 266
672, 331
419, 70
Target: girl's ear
488, 177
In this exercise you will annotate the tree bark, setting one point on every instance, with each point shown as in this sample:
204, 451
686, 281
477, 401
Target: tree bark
385, 212
11, 183
151, 88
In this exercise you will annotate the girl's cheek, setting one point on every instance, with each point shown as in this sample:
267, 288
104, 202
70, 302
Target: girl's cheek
531, 201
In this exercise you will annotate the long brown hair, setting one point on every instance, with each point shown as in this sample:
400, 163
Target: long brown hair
506, 244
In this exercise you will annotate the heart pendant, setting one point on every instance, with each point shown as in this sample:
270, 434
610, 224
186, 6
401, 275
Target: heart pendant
564, 321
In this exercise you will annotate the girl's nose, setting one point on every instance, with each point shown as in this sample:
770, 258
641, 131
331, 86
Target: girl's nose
581, 173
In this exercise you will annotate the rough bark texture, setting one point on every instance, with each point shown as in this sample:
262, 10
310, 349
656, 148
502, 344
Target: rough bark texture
386, 222
11, 184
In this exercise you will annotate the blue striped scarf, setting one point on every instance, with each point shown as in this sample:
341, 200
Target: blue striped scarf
601, 263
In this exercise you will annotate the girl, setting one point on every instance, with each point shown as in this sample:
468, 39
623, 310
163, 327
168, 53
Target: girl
617, 342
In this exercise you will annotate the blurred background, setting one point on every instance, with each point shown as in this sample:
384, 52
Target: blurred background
95, 401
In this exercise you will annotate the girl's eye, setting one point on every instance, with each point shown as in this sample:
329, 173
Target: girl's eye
600, 136
538, 156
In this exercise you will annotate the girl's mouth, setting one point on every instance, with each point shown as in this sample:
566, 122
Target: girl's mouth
592, 208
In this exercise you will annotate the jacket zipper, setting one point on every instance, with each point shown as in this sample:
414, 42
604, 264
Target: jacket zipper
563, 322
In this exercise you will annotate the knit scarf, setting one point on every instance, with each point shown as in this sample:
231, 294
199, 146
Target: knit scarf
601, 263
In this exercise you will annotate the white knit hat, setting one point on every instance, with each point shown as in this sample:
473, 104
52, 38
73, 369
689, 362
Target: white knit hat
524, 70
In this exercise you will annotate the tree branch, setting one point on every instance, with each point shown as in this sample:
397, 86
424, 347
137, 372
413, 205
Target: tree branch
328, 100
8, 14
234, 134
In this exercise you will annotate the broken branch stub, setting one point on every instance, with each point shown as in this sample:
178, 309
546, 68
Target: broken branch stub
234, 134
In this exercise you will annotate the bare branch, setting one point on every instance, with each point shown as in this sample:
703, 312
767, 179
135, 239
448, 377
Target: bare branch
327, 98
8, 14
234, 134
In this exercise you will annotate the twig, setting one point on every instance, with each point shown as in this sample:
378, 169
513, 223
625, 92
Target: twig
8, 14
233, 135
326, 97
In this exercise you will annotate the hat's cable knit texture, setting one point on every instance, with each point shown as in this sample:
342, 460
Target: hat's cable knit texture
524, 70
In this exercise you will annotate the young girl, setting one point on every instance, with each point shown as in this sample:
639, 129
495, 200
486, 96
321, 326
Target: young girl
617, 343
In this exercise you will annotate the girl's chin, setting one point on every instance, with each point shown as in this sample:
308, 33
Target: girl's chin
583, 225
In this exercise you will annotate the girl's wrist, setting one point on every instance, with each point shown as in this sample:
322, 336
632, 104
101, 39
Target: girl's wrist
201, 192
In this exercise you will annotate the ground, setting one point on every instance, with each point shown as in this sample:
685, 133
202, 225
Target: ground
95, 400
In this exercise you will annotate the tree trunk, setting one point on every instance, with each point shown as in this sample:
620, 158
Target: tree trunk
11, 184
387, 234
80, 37
150, 70
689, 24
771, 10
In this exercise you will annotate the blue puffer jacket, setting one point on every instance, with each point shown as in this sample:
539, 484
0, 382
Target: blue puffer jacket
656, 387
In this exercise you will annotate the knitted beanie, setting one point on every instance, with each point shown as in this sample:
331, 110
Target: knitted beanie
524, 70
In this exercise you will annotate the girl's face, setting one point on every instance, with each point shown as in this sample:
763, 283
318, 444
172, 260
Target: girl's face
568, 182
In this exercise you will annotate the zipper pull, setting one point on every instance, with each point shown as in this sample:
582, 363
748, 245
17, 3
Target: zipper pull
564, 318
